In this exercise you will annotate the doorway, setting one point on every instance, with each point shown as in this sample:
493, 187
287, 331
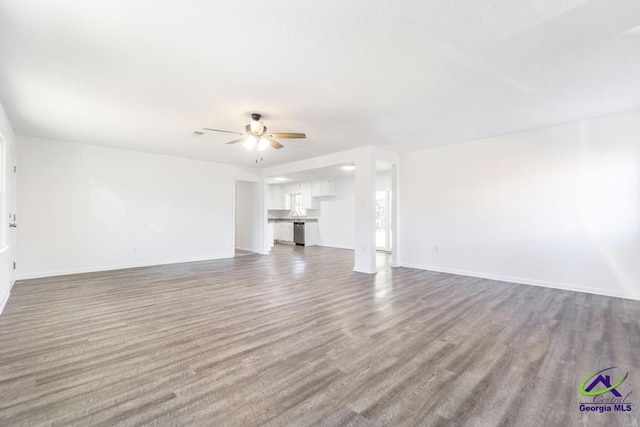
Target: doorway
383, 219
247, 218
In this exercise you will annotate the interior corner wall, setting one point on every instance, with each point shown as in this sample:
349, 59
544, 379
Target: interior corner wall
90, 208
336, 223
337, 216
557, 207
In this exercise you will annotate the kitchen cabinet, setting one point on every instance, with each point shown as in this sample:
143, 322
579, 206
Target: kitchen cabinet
321, 187
277, 197
307, 198
326, 187
287, 231
315, 188
283, 232
311, 234
281, 195
293, 188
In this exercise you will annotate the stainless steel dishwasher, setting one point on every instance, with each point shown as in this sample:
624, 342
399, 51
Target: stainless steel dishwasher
298, 233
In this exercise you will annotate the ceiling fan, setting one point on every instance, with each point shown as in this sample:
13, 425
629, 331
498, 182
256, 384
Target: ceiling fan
256, 135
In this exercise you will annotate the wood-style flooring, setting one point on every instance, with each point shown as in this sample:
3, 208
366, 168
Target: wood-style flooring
298, 338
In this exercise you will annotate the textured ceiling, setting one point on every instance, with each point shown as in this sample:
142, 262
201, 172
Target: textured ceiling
400, 75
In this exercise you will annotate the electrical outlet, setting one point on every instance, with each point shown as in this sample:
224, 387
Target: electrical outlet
436, 248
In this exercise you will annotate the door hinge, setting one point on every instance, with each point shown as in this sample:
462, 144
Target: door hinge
14, 265
15, 168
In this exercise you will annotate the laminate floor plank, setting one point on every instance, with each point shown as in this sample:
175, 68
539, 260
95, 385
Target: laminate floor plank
298, 338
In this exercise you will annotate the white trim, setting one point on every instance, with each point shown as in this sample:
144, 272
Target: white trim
357, 269
248, 250
118, 267
523, 281
4, 299
336, 247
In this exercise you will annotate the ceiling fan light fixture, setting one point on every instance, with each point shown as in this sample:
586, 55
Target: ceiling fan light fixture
257, 127
263, 144
255, 135
250, 142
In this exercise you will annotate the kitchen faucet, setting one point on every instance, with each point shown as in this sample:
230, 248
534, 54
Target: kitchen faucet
297, 215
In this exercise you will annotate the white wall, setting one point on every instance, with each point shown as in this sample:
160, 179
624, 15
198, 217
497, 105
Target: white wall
88, 208
247, 221
7, 206
558, 206
337, 215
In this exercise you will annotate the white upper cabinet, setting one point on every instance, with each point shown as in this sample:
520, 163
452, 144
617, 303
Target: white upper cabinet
307, 198
293, 188
315, 188
280, 197
277, 197
321, 187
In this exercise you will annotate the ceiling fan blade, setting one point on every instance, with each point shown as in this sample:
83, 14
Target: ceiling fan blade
287, 135
275, 144
220, 130
235, 141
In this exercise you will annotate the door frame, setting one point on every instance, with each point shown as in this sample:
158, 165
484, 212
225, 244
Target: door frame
388, 246
7, 206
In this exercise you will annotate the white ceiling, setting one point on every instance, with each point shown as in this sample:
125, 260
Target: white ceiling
400, 75
335, 171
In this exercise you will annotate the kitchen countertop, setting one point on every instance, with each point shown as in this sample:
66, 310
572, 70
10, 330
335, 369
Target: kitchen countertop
293, 220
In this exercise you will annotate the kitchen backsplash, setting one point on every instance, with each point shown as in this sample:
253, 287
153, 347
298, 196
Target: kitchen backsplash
278, 213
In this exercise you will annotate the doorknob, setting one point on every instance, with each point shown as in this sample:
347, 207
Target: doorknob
12, 225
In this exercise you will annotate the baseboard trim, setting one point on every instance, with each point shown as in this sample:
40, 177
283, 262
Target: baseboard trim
255, 251
335, 246
55, 273
525, 281
5, 298
364, 271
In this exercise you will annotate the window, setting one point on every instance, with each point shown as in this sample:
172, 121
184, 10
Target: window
296, 203
383, 219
